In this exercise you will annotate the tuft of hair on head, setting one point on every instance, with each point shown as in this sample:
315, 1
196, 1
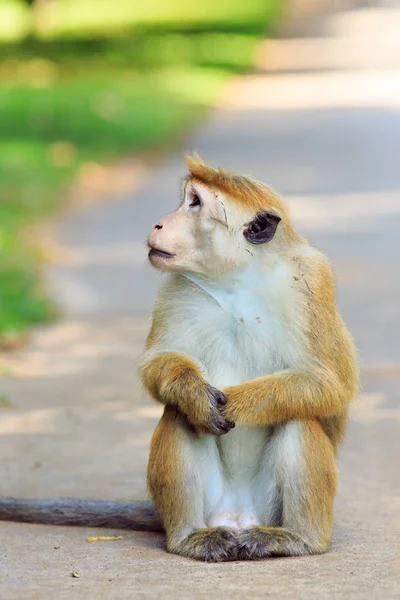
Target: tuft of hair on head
251, 193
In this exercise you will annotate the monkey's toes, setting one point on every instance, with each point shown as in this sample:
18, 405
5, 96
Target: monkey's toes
214, 544
262, 542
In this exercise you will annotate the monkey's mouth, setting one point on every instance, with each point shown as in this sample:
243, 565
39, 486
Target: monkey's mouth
161, 253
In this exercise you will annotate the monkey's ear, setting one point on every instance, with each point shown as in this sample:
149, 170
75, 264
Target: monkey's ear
261, 229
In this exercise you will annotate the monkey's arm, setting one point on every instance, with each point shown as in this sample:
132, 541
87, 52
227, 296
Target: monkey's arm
326, 379
287, 395
174, 378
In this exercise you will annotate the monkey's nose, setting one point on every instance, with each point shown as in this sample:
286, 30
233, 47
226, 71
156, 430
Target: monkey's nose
157, 226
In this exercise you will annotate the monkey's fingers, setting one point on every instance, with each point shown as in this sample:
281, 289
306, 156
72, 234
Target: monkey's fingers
226, 426
218, 425
217, 395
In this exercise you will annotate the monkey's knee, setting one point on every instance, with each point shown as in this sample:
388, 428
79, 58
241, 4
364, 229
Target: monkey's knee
308, 483
214, 544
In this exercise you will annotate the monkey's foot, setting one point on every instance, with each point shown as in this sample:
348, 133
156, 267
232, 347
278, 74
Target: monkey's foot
214, 544
262, 542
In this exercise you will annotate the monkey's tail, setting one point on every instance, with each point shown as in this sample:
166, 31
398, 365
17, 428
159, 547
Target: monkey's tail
139, 516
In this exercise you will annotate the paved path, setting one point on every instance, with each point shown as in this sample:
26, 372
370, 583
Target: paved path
324, 129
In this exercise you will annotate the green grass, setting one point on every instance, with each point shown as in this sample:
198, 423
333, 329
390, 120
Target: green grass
102, 17
96, 85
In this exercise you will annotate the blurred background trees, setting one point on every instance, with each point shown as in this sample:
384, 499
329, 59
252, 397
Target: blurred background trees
84, 81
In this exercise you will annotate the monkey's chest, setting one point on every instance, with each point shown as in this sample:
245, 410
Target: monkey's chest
242, 348
244, 328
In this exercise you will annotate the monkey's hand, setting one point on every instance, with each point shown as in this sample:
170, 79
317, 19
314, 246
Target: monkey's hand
173, 378
204, 413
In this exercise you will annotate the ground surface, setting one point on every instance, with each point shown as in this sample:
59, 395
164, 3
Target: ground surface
324, 129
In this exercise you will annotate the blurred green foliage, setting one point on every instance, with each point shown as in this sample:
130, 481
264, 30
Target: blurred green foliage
88, 80
84, 18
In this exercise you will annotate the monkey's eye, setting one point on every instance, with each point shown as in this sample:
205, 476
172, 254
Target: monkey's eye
195, 202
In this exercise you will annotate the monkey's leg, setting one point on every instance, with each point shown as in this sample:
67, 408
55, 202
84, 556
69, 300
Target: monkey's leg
303, 461
177, 485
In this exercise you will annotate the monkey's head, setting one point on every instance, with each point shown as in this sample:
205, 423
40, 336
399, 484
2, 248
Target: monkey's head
224, 221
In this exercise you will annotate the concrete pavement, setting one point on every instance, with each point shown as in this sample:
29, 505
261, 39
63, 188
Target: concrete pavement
325, 132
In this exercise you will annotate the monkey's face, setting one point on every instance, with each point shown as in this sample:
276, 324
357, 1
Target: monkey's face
208, 234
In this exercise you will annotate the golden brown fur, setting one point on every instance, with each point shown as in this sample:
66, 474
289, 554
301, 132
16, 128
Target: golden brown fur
247, 192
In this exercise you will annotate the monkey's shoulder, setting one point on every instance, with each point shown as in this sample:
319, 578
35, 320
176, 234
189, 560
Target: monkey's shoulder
310, 263
312, 276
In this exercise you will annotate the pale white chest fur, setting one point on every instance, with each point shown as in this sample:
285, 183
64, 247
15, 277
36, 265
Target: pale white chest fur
244, 327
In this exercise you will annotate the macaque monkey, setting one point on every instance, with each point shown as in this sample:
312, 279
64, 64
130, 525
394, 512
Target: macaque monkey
256, 369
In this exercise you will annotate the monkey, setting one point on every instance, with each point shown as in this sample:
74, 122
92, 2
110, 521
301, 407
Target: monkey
256, 370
